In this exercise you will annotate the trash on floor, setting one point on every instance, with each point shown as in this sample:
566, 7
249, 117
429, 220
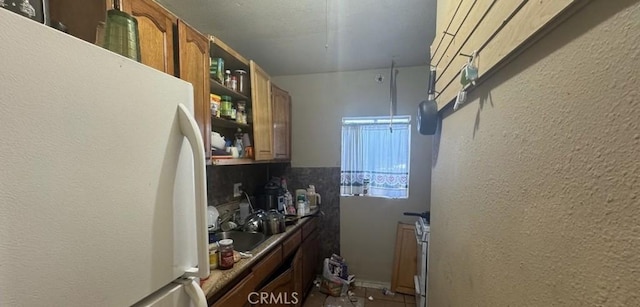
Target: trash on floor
388, 292
335, 276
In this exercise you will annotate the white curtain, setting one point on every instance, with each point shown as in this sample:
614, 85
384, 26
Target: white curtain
373, 152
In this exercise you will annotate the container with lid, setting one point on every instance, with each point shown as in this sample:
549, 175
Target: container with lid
227, 78
241, 115
215, 105
225, 250
242, 81
225, 106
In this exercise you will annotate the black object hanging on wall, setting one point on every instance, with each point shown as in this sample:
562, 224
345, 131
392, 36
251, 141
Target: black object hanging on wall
428, 109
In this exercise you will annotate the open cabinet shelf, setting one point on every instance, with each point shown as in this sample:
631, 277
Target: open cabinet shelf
219, 89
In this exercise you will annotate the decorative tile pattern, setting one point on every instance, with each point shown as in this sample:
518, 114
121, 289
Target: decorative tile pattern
327, 183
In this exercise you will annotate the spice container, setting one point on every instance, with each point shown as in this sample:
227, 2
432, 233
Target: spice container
213, 257
225, 106
225, 250
216, 69
215, 105
242, 79
241, 115
227, 78
234, 83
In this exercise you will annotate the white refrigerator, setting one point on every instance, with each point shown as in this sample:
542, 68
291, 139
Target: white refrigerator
102, 185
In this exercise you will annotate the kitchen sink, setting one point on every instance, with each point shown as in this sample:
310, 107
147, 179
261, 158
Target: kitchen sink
242, 241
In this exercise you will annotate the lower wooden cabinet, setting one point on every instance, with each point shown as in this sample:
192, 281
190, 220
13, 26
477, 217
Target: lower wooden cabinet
310, 259
280, 291
404, 264
296, 264
238, 295
285, 274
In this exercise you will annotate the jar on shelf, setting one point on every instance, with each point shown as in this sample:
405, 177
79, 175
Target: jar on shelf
234, 83
227, 78
225, 106
215, 105
241, 115
225, 250
242, 81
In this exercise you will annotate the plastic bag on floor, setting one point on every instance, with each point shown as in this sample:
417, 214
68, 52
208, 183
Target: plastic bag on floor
331, 284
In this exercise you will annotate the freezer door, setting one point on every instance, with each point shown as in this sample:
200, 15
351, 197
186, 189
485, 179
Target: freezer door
97, 185
182, 293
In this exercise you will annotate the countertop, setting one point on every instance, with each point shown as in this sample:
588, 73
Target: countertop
220, 278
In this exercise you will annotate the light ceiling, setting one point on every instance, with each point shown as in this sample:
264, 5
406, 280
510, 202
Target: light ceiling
289, 37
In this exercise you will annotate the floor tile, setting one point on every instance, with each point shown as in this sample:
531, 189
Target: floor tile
378, 295
344, 301
382, 303
315, 299
359, 291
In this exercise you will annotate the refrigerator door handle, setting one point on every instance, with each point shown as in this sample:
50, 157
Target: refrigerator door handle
195, 293
190, 130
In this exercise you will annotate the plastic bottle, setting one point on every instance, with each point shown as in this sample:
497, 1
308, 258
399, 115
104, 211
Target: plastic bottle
301, 208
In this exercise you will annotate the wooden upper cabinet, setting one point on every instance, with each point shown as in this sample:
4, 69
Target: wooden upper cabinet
281, 101
262, 113
155, 27
193, 49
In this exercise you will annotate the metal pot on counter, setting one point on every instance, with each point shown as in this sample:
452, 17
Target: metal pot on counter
269, 223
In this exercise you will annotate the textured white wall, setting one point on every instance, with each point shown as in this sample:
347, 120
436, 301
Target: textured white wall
536, 188
367, 225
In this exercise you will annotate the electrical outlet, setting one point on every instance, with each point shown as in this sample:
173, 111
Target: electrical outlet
236, 189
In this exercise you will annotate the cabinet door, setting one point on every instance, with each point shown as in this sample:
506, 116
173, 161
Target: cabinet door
297, 275
194, 68
262, 116
155, 27
310, 260
404, 264
280, 291
238, 295
281, 123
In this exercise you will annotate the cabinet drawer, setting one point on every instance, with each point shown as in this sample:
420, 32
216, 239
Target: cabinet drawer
267, 265
309, 227
237, 296
291, 244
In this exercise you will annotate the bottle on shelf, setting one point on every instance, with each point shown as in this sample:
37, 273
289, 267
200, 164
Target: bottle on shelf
225, 106
227, 78
234, 83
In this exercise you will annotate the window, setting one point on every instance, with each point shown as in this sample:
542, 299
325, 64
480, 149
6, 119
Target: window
375, 158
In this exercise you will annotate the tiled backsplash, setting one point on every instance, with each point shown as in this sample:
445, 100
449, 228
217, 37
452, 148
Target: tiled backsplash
220, 180
327, 183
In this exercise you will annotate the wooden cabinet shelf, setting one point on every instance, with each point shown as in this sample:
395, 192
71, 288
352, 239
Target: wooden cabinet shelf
219, 89
227, 123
